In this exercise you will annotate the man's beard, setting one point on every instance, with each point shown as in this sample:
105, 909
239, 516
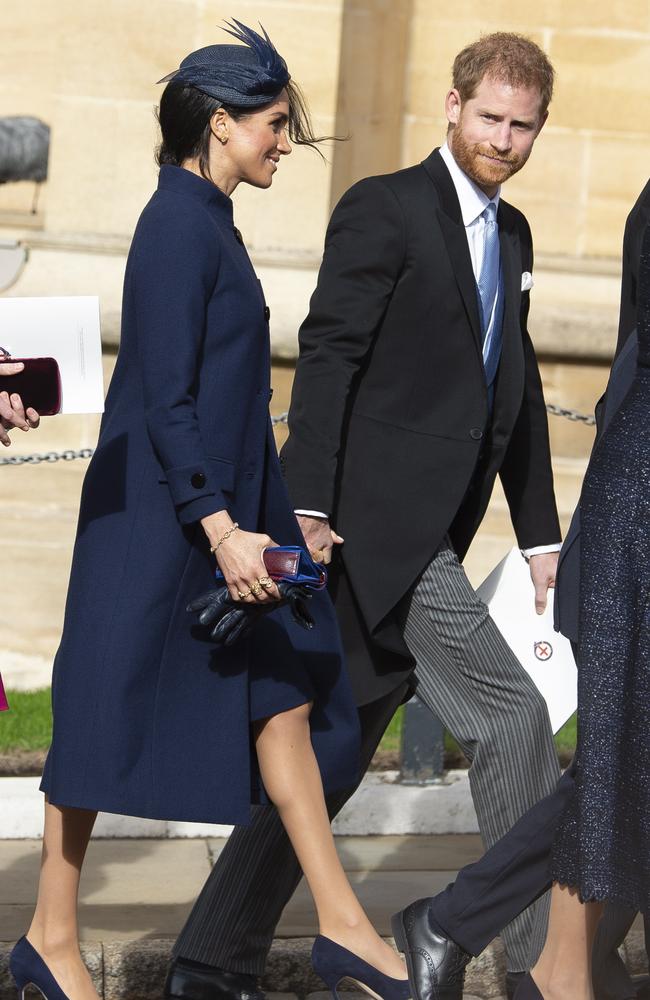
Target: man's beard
471, 157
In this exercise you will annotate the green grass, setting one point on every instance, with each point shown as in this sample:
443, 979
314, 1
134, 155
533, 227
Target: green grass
392, 736
565, 739
28, 726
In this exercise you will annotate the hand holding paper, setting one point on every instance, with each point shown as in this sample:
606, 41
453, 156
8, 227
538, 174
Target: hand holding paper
65, 329
545, 655
543, 568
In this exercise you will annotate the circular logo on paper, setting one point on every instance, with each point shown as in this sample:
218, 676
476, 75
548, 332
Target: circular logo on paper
543, 650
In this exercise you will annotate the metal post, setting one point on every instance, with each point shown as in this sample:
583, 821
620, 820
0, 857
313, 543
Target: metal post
13, 257
423, 745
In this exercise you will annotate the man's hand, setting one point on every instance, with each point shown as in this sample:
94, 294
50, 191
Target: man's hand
12, 411
542, 571
320, 539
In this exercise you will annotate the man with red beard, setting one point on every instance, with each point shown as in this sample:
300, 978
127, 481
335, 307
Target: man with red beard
417, 384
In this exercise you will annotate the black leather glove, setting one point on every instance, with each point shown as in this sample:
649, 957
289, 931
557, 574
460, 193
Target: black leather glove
296, 595
231, 619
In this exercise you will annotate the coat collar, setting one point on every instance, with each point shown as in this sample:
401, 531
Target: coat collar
182, 181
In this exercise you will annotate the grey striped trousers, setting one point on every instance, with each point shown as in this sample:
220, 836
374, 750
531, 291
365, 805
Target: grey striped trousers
470, 679
475, 685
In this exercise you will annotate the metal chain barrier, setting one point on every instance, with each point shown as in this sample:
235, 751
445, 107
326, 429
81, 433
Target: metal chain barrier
559, 411
70, 456
48, 456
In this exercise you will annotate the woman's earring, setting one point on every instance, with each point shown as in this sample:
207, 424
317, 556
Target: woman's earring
223, 139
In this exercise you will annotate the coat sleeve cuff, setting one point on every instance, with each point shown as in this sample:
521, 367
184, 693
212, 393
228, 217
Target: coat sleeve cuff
210, 478
540, 550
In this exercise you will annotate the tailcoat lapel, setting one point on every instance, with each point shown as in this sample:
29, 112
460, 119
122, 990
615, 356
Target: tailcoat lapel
455, 238
510, 380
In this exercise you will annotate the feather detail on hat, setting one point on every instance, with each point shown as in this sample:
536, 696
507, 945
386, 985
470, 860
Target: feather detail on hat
249, 74
262, 46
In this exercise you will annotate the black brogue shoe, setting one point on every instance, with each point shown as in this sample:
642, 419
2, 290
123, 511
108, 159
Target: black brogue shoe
188, 980
435, 963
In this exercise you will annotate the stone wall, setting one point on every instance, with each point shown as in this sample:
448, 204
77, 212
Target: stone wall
89, 68
375, 71
593, 157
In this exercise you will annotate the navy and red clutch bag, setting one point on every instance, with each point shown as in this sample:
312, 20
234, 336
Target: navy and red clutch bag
292, 564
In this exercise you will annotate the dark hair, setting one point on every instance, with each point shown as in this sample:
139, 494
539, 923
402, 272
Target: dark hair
508, 57
184, 118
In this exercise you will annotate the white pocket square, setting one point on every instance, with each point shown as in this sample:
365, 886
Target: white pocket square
526, 281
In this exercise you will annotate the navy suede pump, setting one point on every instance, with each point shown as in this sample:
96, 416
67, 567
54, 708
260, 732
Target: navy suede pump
333, 963
28, 969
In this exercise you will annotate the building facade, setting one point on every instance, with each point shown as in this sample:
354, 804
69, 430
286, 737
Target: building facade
375, 72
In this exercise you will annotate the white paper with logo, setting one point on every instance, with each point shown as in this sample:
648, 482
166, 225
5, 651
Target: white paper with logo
65, 328
545, 654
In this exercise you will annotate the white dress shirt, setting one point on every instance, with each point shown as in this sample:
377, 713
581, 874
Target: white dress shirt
473, 203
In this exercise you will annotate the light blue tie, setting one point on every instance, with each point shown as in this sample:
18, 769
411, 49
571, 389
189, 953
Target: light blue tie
488, 280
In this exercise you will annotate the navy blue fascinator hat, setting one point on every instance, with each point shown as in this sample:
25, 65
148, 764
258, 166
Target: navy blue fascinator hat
246, 75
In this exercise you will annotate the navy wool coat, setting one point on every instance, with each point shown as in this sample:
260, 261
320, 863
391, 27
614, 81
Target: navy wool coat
149, 719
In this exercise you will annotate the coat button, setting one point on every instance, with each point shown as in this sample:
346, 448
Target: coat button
476, 433
198, 480
238, 235
267, 313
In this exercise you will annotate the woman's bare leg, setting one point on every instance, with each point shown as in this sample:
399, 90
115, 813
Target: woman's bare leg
563, 970
54, 927
293, 783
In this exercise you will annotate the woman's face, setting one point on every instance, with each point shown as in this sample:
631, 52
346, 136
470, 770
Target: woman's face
255, 143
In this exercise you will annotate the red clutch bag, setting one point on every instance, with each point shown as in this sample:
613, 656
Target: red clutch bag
293, 564
38, 384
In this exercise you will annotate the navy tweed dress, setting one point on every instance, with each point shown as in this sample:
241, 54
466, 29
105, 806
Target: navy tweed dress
603, 841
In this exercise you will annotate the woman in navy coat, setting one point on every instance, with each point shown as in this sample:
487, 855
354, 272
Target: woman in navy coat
150, 719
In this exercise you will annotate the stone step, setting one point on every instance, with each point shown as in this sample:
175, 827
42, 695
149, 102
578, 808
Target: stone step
135, 970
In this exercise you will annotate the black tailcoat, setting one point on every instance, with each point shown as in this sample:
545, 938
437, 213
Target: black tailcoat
390, 431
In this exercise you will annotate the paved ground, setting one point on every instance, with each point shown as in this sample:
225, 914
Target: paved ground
144, 888
135, 895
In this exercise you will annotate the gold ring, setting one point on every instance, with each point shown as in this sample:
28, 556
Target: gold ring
266, 582
242, 597
256, 588
317, 555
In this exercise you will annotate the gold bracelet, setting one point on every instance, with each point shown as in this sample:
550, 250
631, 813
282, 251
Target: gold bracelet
225, 535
